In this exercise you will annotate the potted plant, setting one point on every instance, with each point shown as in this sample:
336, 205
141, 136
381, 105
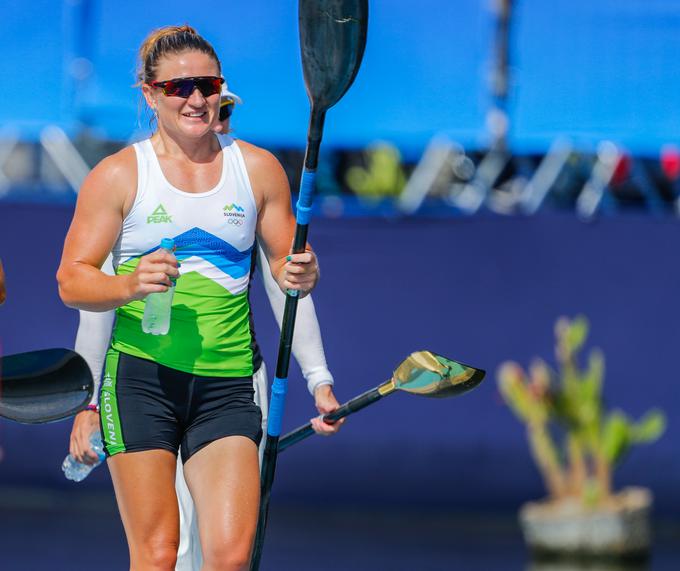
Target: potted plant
576, 444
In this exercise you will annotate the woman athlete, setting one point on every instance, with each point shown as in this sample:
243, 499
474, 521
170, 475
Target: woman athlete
190, 390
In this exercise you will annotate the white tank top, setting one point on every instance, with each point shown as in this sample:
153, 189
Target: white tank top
214, 233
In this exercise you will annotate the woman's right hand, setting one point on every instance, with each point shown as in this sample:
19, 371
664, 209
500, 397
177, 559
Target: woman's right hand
153, 274
84, 424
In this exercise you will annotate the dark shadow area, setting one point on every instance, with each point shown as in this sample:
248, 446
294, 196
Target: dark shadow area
80, 531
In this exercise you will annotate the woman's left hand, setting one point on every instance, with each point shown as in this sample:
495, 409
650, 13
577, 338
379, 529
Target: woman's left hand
301, 272
325, 402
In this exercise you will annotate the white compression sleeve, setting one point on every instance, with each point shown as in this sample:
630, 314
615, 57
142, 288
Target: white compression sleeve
307, 344
94, 334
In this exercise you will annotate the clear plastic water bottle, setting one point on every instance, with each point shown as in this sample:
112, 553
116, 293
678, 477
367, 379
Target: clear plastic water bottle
77, 471
157, 308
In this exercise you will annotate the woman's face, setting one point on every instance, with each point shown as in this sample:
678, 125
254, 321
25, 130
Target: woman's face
192, 117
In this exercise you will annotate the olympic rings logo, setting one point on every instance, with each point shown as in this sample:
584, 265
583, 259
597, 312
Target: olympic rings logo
235, 221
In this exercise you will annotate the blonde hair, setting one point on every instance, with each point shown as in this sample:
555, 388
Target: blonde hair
170, 40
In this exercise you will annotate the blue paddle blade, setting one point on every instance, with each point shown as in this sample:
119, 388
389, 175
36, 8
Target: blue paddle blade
44, 386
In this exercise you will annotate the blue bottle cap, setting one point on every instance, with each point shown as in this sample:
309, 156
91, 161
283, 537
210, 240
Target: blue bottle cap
167, 243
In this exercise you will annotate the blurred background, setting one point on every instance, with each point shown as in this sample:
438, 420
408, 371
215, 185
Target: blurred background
497, 164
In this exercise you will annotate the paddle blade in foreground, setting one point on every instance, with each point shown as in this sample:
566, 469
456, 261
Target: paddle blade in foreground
430, 375
332, 40
44, 386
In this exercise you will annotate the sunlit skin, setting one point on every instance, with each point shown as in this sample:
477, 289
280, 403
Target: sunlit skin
176, 116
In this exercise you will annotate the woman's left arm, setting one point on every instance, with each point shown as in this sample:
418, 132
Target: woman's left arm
276, 223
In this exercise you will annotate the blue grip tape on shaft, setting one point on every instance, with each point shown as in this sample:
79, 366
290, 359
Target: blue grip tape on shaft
279, 390
304, 203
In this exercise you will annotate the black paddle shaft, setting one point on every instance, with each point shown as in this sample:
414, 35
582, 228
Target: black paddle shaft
332, 42
314, 135
299, 244
352, 406
285, 346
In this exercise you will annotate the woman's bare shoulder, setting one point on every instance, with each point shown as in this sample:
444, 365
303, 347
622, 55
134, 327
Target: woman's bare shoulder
118, 167
114, 177
265, 172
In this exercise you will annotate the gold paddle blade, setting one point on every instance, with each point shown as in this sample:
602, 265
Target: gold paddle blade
430, 375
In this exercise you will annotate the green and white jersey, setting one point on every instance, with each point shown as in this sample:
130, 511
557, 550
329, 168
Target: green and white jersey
214, 234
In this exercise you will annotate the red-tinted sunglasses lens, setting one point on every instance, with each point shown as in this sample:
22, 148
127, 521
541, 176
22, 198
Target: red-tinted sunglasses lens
185, 87
176, 88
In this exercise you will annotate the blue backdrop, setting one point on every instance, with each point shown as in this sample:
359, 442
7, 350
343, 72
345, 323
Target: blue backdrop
591, 70
479, 290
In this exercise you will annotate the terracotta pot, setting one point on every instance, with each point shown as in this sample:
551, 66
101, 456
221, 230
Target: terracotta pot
620, 529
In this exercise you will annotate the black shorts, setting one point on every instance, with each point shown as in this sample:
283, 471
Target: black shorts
147, 406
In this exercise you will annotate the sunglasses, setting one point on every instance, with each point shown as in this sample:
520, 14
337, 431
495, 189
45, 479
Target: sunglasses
226, 108
185, 86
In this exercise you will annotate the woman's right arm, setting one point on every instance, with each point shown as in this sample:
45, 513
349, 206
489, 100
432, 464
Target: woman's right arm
103, 201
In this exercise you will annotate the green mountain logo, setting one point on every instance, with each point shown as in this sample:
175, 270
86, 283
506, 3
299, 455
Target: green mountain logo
159, 216
233, 206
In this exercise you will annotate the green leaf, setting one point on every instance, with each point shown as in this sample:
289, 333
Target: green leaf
649, 428
512, 385
594, 376
578, 333
616, 436
565, 409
